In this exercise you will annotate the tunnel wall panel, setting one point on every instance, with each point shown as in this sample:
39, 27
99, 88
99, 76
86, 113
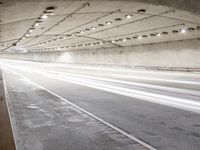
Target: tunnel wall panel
170, 54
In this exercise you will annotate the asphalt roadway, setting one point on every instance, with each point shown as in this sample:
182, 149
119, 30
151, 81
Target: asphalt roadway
160, 108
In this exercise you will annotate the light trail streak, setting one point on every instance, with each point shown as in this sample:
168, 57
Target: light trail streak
181, 103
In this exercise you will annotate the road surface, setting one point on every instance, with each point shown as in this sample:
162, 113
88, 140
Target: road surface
161, 109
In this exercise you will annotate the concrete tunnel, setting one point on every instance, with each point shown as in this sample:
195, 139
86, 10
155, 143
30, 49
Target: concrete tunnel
99, 75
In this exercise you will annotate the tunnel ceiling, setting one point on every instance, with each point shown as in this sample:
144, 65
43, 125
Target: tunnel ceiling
31, 26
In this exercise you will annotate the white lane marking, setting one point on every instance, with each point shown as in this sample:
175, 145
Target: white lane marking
91, 115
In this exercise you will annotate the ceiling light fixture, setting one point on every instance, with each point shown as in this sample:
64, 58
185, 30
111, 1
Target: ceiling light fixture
36, 24
50, 9
144, 36
129, 16
175, 31
124, 40
118, 19
108, 22
141, 10
183, 31
152, 34
30, 31
100, 25
40, 20
44, 16
164, 33
190, 29
26, 35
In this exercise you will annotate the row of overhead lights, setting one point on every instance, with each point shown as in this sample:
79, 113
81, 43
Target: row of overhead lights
69, 47
49, 11
157, 34
42, 43
101, 25
128, 16
181, 31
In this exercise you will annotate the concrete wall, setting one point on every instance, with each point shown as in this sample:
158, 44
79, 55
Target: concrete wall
172, 54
